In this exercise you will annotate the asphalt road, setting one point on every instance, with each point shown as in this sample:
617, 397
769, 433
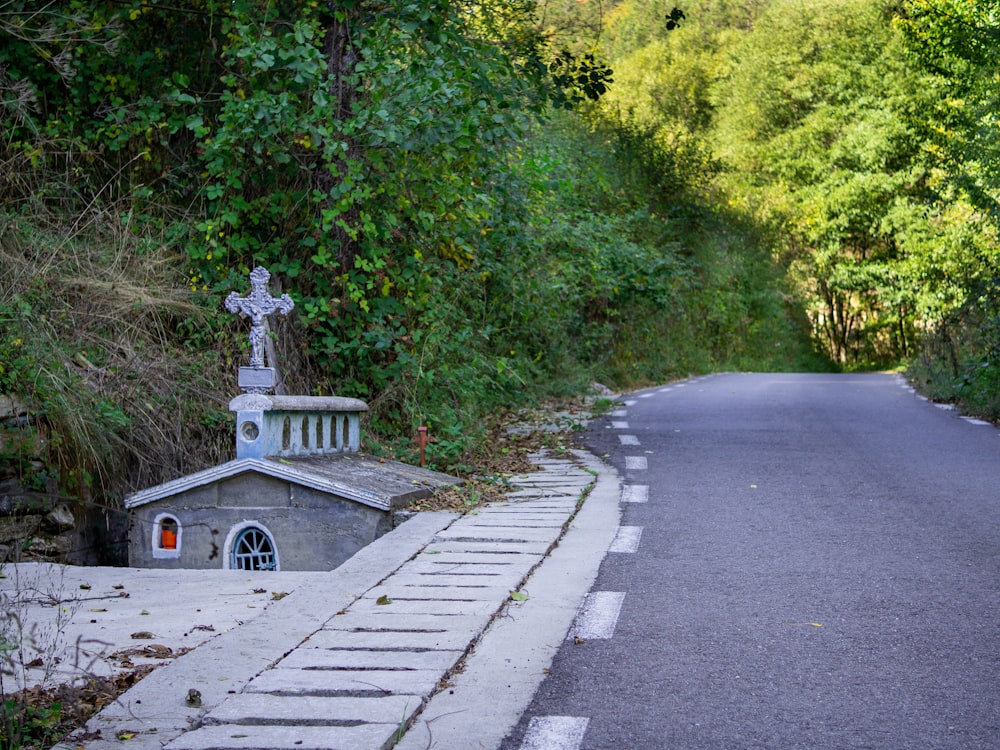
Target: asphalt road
815, 563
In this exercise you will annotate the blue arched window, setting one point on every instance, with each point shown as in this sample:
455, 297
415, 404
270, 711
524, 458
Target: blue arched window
253, 549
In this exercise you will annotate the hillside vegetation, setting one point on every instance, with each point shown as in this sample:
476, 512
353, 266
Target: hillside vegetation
476, 206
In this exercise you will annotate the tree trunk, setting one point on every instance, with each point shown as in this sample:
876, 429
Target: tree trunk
342, 56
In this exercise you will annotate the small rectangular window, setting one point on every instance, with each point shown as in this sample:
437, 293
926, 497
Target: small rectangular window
166, 536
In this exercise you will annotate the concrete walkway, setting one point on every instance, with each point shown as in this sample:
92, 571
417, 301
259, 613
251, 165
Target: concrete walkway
356, 658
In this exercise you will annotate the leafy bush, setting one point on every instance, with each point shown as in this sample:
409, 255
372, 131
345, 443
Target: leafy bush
960, 360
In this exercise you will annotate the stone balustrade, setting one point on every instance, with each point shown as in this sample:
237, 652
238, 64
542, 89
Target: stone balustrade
277, 426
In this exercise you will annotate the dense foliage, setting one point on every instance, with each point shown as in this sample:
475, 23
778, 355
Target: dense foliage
955, 42
861, 138
475, 204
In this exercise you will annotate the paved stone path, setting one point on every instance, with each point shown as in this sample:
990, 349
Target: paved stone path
361, 673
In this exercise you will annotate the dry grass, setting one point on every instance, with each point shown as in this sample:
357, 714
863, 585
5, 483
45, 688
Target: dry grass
91, 313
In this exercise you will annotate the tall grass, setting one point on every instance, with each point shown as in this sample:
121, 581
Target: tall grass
92, 319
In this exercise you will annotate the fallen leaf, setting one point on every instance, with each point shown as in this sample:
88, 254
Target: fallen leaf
118, 587
518, 596
85, 586
278, 595
383, 600
144, 635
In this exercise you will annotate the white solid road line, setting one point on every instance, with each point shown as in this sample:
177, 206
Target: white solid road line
555, 733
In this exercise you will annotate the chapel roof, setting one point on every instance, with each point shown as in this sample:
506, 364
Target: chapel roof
377, 483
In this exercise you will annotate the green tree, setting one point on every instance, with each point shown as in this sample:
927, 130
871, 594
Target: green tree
814, 119
955, 42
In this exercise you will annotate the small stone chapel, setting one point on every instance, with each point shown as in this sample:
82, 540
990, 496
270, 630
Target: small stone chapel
298, 496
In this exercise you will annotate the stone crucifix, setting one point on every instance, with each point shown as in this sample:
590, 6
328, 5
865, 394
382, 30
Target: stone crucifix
257, 305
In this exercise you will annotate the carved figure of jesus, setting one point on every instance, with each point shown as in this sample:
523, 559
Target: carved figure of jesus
258, 304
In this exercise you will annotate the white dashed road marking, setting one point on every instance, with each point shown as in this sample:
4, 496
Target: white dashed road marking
620, 425
619, 413
636, 462
628, 439
626, 540
555, 733
598, 616
635, 493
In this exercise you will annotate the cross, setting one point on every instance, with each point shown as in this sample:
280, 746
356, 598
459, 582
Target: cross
257, 305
